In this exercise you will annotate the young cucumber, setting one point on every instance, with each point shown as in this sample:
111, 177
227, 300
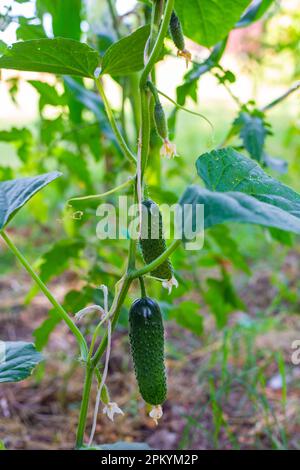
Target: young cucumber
147, 348
152, 240
160, 121
176, 32
178, 38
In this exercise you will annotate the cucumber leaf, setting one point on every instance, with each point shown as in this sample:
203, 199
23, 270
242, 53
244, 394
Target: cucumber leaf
127, 55
17, 360
208, 22
15, 193
227, 170
58, 56
221, 207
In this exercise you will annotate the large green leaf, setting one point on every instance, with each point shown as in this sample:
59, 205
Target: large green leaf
17, 360
209, 21
127, 55
227, 170
15, 193
58, 56
220, 207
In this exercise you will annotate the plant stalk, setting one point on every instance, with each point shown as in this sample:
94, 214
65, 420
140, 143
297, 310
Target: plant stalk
157, 262
89, 373
73, 328
154, 54
121, 141
115, 314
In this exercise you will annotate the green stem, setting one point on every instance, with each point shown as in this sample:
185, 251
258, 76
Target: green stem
129, 182
145, 130
158, 43
143, 288
63, 314
194, 113
121, 141
135, 100
132, 245
157, 12
157, 262
278, 100
114, 313
84, 406
154, 91
145, 96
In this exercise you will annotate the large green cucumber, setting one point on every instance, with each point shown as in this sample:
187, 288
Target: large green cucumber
147, 348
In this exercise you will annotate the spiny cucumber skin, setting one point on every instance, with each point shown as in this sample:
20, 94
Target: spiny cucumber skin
147, 349
176, 32
153, 248
160, 121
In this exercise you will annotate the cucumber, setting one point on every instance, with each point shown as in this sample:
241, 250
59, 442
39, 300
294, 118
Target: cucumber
146, 335
160, 121
152, 242
176, 32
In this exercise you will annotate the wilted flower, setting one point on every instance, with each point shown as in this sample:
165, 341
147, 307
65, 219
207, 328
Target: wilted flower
111, 409
186, 55
156, 413
168, 149
170, 284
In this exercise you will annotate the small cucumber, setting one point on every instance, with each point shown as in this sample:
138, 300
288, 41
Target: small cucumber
152, 240
160, 121
147, 348
176, 32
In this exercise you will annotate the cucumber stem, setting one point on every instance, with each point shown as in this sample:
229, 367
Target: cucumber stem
154, 91
63, 314
121, 141
143, 288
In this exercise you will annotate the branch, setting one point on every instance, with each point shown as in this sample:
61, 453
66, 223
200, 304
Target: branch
278, 100
157, 262
124, 147
63, 314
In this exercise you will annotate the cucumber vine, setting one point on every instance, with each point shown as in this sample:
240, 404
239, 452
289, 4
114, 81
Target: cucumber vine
225, 202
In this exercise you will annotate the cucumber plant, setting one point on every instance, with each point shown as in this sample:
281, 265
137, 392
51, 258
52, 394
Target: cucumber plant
236, 188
